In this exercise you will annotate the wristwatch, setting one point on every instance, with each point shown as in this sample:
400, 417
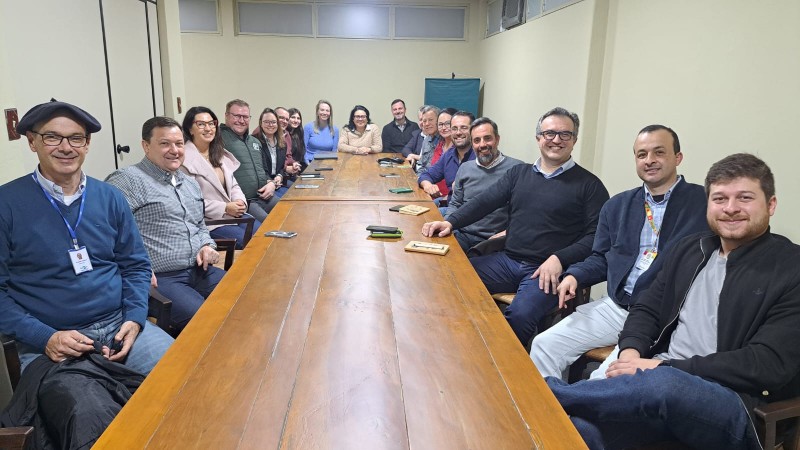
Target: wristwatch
666, 363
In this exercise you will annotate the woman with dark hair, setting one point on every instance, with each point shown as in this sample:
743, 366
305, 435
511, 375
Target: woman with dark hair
360, 136
298, 141
273, 150
321, 135
212, 167
444, 145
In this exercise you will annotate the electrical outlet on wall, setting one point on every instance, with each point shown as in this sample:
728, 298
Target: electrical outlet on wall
11, 124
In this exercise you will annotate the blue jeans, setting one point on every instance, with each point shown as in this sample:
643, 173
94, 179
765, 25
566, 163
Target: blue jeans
661, 404
233, 232
188, 289
151, 343
500, 273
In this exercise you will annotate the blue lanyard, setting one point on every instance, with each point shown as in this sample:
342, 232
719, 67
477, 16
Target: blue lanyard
58, 210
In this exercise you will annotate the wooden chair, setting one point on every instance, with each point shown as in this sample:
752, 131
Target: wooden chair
159, 307
159, 311
229, 245
16, 438
785, 414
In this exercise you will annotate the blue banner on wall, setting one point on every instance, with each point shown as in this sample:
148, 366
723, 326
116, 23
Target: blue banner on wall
459, 93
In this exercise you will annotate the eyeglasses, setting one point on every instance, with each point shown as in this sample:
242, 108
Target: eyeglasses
239, 117
203, 125
564, 135
54, 140
269, 123
360, 117
443, 124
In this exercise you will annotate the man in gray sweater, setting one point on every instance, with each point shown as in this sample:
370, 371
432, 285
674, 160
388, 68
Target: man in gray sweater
474, 177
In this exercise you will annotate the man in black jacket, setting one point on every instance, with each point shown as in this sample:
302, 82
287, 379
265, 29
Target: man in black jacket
714, 336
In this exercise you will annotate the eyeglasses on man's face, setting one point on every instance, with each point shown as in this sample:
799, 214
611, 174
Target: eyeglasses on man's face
240, 117
563, 135
54, 140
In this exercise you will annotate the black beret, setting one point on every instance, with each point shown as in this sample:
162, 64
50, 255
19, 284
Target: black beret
43, 113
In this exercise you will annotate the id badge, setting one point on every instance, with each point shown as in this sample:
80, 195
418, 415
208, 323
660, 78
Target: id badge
80, 260
646, 260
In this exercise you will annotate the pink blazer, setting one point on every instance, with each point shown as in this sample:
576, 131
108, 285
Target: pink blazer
215, 196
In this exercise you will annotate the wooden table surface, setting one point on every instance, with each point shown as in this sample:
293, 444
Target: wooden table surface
333, 340
358, 177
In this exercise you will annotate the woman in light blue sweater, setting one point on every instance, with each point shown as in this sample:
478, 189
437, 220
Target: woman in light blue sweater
321, 135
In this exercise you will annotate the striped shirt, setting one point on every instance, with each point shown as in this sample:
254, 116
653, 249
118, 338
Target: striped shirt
168, 208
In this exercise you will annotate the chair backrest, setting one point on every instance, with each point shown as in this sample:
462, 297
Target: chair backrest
5, 383
246, 219
18, 438
9, 369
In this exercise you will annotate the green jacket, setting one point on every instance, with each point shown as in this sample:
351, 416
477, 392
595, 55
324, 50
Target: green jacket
250, 174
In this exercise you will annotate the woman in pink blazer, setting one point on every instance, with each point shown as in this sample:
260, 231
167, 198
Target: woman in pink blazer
212, 167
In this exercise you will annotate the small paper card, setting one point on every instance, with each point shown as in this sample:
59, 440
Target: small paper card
306, 186
413, 210
427, 247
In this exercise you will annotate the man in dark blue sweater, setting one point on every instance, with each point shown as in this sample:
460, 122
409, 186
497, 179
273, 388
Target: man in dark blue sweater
636, 228
554, 205
397, 133
74, 274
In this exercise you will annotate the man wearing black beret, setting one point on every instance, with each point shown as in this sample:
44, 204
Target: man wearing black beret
74, 274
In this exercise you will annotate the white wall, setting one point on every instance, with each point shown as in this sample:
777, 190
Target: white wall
299, 71
723, 73
532, 68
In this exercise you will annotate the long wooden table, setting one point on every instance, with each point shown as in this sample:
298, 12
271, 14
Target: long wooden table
334, 340
358, 177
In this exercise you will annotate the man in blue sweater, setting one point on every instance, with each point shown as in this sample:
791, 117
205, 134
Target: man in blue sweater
452, 158
74, 274
636, 228
554, 207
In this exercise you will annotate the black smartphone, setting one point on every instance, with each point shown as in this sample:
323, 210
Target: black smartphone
381, 229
